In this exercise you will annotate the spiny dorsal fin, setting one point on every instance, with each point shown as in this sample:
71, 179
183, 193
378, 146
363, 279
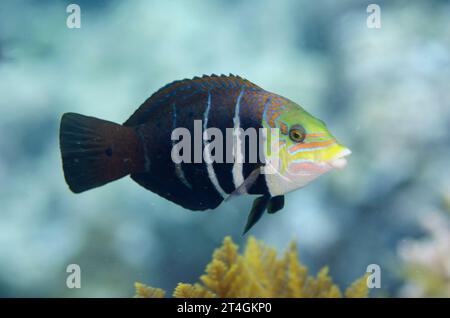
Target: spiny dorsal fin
185, 88
225, 81
205, 83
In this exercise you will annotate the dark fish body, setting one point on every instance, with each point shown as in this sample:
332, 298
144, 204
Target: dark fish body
144, 147
179, 105
95, 151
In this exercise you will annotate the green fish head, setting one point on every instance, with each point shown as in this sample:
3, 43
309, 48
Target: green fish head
300, 148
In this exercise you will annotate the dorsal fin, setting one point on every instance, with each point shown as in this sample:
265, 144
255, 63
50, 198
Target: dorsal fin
207, 82
186, 88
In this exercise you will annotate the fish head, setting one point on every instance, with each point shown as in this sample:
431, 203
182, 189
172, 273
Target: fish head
299, 148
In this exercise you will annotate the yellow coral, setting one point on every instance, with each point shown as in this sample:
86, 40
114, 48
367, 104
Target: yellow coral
143, 291
258, 273
192, 291
358, 289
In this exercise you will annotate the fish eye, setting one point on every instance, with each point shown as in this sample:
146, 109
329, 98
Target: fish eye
297, 133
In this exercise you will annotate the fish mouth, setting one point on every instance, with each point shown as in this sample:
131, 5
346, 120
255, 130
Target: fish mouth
339, 162
308, 170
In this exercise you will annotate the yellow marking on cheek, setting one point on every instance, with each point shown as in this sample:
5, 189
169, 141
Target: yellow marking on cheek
307, 155
331, 152
283, 128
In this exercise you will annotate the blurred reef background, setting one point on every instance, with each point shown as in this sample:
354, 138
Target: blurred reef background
384, 92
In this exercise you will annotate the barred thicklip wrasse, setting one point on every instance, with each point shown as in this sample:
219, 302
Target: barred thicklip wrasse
95, 151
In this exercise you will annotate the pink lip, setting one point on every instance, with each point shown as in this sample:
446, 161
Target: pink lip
340, 162
317, 168
307, 168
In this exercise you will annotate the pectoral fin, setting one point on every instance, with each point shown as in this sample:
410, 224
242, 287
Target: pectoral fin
259, 206
275, 204
247, 184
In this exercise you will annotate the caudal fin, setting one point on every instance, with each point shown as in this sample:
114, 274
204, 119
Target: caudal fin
95, 151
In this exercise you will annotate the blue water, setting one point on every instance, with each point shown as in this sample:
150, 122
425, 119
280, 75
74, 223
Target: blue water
383, 92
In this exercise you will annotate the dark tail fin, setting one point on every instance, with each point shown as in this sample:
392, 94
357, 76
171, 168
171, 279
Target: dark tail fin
95, 151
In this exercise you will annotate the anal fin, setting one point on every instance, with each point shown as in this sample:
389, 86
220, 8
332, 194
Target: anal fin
259, 206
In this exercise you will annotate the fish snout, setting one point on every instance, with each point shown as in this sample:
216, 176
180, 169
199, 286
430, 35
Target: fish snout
339, 161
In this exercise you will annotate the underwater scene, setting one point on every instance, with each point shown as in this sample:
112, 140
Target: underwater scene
197, 149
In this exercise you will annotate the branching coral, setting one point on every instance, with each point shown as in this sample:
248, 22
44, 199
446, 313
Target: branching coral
257, 273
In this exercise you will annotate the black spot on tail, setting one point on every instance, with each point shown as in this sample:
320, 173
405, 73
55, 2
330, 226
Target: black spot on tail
87, 151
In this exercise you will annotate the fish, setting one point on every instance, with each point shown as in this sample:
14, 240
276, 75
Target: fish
296, 147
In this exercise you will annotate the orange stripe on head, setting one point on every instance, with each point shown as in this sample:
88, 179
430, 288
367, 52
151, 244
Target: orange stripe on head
298, 167
316, 144
272, 118
284, 128
315, 135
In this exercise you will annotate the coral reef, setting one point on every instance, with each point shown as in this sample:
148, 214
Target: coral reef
257, 273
